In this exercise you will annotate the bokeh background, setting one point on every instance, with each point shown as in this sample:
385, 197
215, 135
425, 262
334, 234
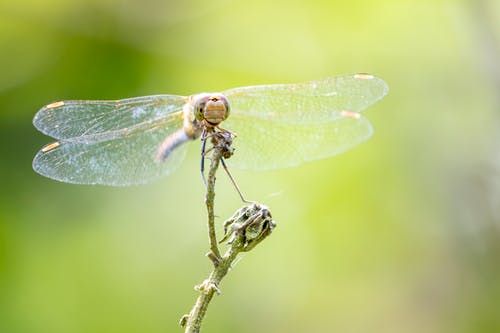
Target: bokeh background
400, 234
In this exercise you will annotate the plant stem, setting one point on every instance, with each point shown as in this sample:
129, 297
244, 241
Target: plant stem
245, 229
207, 289
209, 201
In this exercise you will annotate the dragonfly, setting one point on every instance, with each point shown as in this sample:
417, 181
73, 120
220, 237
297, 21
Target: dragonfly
138, 140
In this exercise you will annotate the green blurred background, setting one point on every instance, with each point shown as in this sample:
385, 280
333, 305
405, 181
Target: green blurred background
400, 234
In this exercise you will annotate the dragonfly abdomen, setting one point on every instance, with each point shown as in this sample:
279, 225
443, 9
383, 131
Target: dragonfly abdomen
171, 142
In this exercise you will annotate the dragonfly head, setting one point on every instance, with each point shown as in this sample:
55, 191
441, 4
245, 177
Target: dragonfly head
213, 108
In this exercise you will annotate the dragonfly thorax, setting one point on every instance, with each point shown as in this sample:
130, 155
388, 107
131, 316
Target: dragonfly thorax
211, 108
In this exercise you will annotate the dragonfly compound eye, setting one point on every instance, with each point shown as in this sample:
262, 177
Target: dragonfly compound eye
198, 109
216, 109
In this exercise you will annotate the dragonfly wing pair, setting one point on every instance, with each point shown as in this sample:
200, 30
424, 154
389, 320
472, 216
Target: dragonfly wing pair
109, 142
281, 126
116, 142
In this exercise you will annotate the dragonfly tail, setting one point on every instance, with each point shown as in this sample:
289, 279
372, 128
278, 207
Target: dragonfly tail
171, 142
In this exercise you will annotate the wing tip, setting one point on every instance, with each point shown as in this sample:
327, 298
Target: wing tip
369, 77
50, 146
54, 105
350, 114
364, 76
41, 115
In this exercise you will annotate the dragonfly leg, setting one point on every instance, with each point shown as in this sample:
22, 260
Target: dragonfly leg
223, 130
211, 135
234, 182
203, 152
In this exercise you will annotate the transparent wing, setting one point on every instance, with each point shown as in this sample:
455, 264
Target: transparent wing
120, 157
312, 102
264, 145
68, 119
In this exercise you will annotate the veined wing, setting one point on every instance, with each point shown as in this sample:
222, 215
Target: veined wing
264, 145
121, 157
312, 102
68, 119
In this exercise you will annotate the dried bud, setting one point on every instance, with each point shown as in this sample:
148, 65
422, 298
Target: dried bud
250, 224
